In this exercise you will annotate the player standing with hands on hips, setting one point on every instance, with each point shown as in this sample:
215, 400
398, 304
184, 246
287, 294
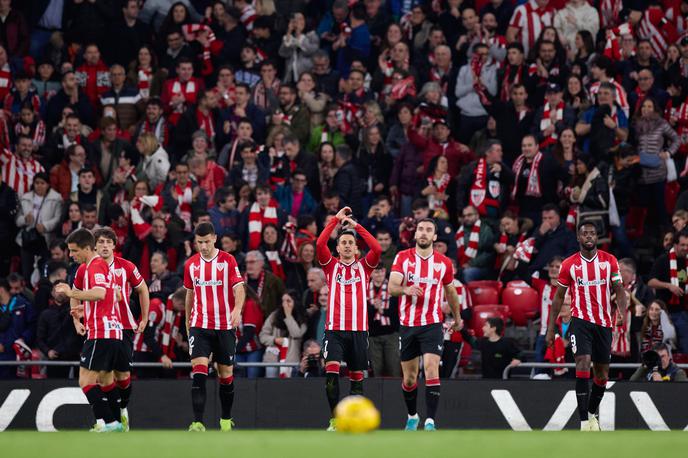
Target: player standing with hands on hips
93, 296
591, 274
346, 327
422, 277
215, 296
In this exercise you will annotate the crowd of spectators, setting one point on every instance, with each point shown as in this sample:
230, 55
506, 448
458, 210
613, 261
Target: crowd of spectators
505, 121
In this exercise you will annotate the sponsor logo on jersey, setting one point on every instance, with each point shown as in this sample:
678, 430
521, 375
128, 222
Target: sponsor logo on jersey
428, 281
100, 279
198, 282
350, 281
581, 282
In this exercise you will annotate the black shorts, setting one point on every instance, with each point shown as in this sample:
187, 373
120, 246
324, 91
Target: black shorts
104, 355
415, 341
128, 347
587, 338
221, 343
348, 346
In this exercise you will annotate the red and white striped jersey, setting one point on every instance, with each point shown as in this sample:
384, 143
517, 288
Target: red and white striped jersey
156, 319
101, 318
676, 17
212, 281
621, 98
125, 277
654, 27
530, 20
590, 282
546, 292
432, 274
18, 173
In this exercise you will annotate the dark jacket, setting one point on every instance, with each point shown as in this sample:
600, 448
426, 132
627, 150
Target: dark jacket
404, 173
253, 113
22, 325
9, 205
56, 332
235, 175
568, 120
309, 164
122, 42
375, 167
14, 34
559, 242
510, 129
348, 184
186, 126
505, 178
59, 101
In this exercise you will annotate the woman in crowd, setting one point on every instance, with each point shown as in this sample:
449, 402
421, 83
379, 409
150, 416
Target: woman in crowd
71, 219
398, 133
575, 95
145, 74
39, 215
297, 48
282, 334
314, 101
566, 151
657, 327
155, 162
326, 166
437, 189
297, 271
374, 164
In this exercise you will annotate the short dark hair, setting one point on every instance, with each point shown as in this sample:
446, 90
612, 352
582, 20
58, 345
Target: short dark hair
4, 284
604, 63
88, 208
551, 208
221, 195
346, 232
86, 170
290, 139
83, 238
344, 152
204, 229
383, 231
183, 60
428, 220
154, 101
586, 222
54, 266
516, 45
496, 323
419, 204
358, 11
106, 232
244, 86
58, 243
163, 255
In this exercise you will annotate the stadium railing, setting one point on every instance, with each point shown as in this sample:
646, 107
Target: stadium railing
507, 370
179, 365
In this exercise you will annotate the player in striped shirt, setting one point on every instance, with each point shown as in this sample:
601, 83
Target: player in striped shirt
346, 327
125, 277
93, 296
215, 296
422, 277
592, 275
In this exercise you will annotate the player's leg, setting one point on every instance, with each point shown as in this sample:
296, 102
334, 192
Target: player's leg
224, 355
96, 362
123, 375
581, 346
601, 351
357, 360
200, 348
431, 346
409, 353
333, 353
88, 382
111, 392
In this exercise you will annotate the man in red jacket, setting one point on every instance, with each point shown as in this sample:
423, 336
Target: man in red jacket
93, 75
440, 143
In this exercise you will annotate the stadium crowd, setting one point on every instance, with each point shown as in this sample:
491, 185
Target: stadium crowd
506, 122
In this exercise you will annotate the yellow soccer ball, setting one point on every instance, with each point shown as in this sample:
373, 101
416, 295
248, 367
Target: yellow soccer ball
356, 414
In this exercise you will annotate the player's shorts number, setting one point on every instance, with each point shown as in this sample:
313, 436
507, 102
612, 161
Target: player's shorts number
325, 349
573, 343
191, 345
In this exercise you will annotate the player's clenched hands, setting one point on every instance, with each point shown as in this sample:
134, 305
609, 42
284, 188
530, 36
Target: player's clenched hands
349, 222
413, 290
343, 214
235, 318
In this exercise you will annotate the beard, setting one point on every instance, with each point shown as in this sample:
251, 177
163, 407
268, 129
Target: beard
423, 245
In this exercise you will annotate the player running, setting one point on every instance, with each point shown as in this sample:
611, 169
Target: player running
591, 274
422, 277
102, 352
125, 276
215, 296
346, 328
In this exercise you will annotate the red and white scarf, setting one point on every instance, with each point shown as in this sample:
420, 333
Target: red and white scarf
257, 218
546, 123
478, 196
260, 95
533, 189
170, 329
465, 253
141, 227
477, 68
184, 200
282, 351
275, 262
612, 47
206, 123
441, 185
145, 77
289, 250
508, 82
188, 90
571, 217
609, 13
621, 335
381, 294
673, 276
524, 250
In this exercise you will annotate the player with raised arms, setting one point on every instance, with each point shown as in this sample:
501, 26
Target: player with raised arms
591, 276
422, 277
93, 297
125, 277
215, 295
346, 326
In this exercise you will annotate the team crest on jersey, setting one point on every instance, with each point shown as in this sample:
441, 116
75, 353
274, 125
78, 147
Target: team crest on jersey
604, 265
194, 267
221, 266
438, 268
118, 272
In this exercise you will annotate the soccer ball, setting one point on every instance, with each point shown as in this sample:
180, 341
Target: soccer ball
356, 414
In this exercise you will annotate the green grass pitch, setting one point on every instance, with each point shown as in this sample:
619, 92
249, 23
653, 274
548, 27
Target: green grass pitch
320, 444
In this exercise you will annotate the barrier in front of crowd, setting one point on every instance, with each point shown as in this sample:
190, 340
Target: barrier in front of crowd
508, 369
49, 405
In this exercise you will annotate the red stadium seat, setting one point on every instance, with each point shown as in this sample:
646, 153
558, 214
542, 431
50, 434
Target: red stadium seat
517, 284
482, 312
523, 302
484, 291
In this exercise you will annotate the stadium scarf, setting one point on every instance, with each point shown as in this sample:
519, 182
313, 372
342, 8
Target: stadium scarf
67, 142
546, 301
141, 227
348, 114
261, 284
571, 217
524, 250
609, 13
282, 350
212, 46
438, 74
36, 132
275, 263
186, 89
546, 122
379, 293
289, 250
184, 200
5, 80
257, 218
170, 329
681, 115
441, 185
206, 124
145, 77
673, 275
227, 96
248, 17
621, 335
477, 68
508, 81
556, 354
159, 129
279, 168
503, 242
405, 87
407, 26
465, 253
533, 188
612, 47
478, 197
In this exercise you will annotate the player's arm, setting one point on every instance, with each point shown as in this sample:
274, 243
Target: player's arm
372, 258
621, 298
144, 301
557, 302
97, 293
395, 286
188, 304
77, 311
321, 249
239, 291
455, 303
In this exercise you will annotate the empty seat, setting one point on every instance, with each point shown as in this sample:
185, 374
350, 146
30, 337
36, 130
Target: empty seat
484, 292
523, 302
